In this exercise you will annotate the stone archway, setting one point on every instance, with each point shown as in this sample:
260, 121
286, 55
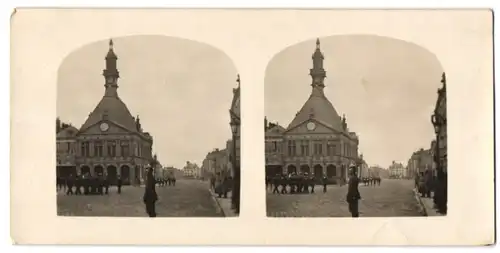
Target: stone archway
112, 174
318, 171
98, 170
125, 174
305, 169
84, 170
331, 171
291, 169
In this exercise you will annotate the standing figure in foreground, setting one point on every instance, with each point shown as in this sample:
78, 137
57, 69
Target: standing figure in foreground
353, 195
150, 196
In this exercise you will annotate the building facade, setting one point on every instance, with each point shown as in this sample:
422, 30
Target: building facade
174, 172
441, 150
217, 162
364, 169
397, 170
419, 162
112, 141
158, 170
439, 121
65, 150
191, 170
377, 171
317, 141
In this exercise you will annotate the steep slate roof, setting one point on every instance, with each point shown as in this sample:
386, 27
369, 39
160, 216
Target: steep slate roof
322, 110
114, 110
318, 107
111, 107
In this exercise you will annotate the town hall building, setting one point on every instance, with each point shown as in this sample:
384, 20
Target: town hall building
317, 141
111, 141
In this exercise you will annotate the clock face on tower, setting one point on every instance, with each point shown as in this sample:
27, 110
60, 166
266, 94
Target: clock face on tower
311, 126
110, 79
104, 127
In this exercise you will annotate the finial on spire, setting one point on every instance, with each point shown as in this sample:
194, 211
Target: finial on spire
238, 80
443, 79
317, 43
110, 44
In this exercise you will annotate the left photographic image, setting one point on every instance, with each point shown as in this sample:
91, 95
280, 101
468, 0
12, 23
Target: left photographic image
148, 126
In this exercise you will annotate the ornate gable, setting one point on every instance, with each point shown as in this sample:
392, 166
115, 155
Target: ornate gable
104, 127
312, 126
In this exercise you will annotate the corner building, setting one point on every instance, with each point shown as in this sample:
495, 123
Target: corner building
317, 140
111, 140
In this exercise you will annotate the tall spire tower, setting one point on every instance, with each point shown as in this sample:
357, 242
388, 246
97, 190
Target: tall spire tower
317, 72
111, 73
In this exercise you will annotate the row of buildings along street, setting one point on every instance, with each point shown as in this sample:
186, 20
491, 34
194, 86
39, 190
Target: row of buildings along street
102, 166
314, 167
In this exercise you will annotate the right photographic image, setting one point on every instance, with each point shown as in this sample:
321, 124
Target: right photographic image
355, 126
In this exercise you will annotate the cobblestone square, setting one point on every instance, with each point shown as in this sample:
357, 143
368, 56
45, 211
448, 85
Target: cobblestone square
393, 198
189, 198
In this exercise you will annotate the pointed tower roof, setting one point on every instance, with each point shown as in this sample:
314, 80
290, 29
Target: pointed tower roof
111, 107
318, 106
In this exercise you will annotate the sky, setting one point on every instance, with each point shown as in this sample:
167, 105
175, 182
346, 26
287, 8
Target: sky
386, 87
181, 90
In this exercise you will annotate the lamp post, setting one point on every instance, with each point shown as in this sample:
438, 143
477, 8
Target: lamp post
235, 196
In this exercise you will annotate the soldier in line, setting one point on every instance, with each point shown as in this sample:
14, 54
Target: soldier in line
304, 179
324, 181
283, 181
275, 183
353, 195
119, 184
106, 184
150, 197
100, 185
95, 185
69, 185
290, 181
78, 185
298, 183
85, 183
312, 182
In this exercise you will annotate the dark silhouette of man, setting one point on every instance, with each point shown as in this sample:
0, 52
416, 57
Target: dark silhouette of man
353, 195
150, 196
